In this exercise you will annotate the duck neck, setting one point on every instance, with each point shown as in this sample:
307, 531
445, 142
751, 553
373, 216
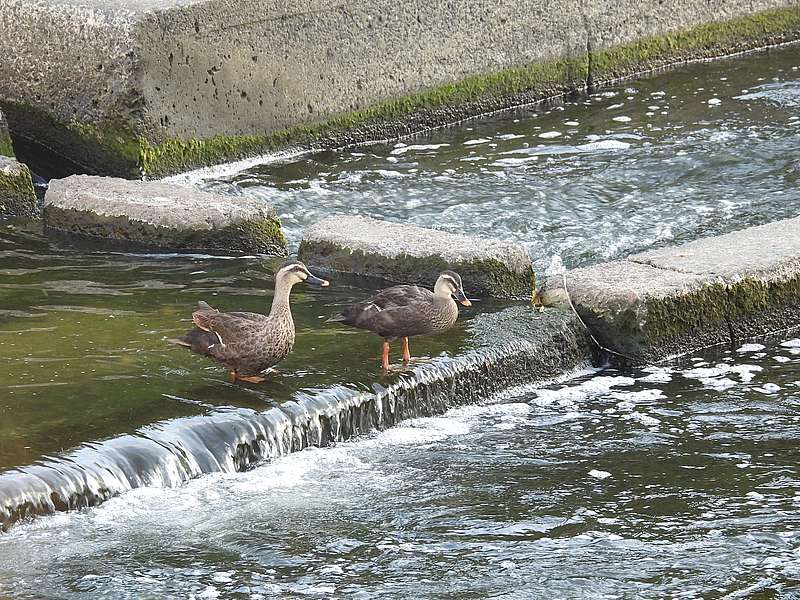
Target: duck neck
280, 302
443, 302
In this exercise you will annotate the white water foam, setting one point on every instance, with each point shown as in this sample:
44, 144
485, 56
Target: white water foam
230, 169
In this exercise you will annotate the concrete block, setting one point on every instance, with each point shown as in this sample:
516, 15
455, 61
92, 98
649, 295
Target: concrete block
159, 215
402, 253
717, 290
17, 196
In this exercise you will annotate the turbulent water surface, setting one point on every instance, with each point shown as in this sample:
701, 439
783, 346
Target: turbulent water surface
696, 151
671, 482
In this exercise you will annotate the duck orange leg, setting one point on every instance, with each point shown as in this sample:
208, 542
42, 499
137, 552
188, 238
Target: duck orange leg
250, 379
406, 351
385, 357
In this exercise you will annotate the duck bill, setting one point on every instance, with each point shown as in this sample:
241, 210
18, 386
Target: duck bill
462, 298
311, 280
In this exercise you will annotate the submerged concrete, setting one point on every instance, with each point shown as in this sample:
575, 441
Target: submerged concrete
535, 347
150, 88
17, 196
717, 290
161, 215
401, 253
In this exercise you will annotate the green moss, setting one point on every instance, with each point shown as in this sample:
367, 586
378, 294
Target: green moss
116, 149
105, 148
547, 79
483, 277
703, 41
717, 305
5, 146
17, 197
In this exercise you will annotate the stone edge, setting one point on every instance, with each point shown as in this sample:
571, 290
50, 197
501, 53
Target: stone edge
488, 277
263, 237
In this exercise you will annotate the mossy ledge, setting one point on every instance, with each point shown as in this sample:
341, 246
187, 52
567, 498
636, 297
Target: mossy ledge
716, 313
118, 149
481, 277
262, 236
17, 196
711, 40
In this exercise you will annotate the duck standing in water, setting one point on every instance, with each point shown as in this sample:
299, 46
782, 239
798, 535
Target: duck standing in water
403, 311
249, 343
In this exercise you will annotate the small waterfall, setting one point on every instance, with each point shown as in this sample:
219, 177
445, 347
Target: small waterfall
534, 347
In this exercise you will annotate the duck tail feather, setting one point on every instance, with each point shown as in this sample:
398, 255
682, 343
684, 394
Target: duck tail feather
179, 342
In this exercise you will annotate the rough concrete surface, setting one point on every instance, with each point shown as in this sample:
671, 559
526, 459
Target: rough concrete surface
17, 196
163, 215
160, 86
402, 253
675, 300
6, 149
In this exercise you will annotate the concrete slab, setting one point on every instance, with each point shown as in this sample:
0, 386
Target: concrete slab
155, 87
717, 290
401, 253
17, 196
160, 215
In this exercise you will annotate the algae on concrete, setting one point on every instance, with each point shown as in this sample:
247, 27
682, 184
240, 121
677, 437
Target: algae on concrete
717, 290
401, 253
17, 196
204, 100
153, 214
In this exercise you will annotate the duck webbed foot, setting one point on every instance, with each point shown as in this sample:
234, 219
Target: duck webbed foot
249, 379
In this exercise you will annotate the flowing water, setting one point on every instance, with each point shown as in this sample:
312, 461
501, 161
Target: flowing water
697, 151
669, 482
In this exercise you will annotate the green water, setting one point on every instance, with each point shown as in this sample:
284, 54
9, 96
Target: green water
83, 350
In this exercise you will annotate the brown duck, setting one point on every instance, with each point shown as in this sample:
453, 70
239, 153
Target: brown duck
403, 311
249, 343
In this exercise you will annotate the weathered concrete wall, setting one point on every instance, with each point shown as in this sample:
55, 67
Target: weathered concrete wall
159, 86
717, 290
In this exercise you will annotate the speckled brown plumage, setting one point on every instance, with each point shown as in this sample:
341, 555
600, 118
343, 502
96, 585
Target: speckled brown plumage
246, 343
404, 311
249, 343
401, 311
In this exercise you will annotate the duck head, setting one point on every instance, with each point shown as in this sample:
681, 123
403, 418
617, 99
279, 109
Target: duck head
293, 272
449, 286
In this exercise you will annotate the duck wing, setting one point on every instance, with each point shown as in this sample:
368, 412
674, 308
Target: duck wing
398, 311
230, 329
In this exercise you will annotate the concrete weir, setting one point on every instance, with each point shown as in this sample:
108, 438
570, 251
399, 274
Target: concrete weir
716, 290
150, 88
533, 347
